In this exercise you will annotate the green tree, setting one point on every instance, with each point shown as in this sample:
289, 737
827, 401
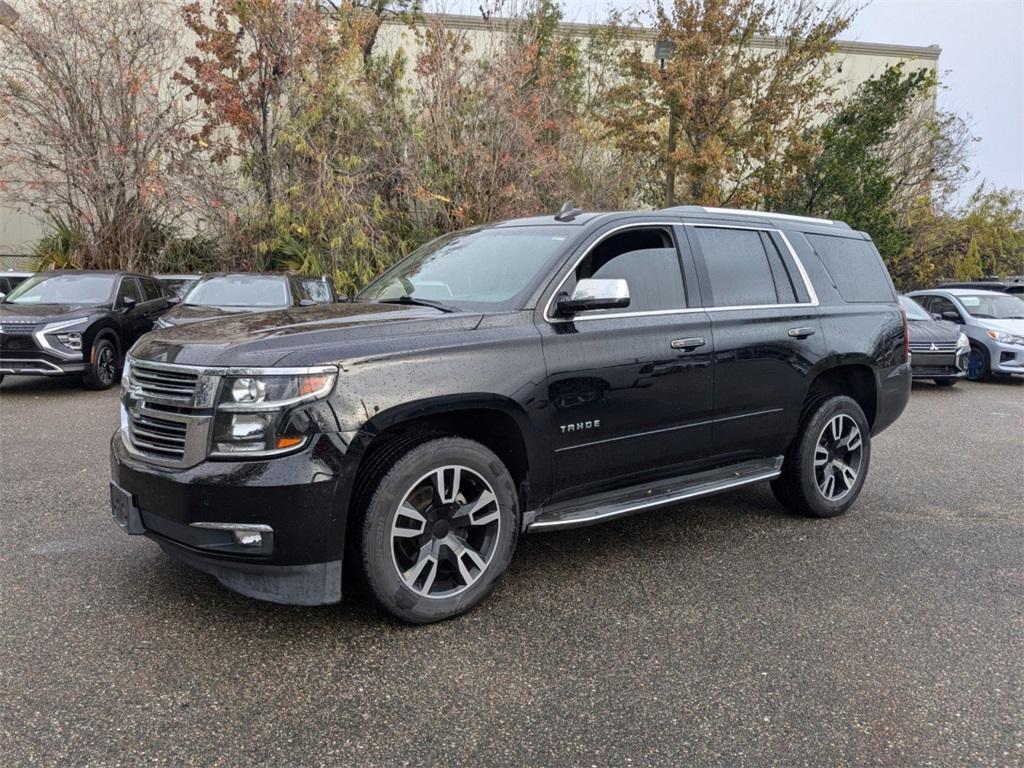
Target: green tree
969, 266
723, 118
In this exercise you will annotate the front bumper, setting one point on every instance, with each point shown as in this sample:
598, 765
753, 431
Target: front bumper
1006, 358
930, 365
300, 501
38, 364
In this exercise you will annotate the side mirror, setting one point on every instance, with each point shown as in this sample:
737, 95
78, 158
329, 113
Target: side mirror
128, 302
3, 296
953, 317
172, 300
342, 299
308, 303
595, 294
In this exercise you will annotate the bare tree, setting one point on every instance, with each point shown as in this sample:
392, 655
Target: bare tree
93, 129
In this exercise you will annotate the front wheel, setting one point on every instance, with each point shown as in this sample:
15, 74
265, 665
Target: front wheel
825, 466
439, 529
102, 374
978, 365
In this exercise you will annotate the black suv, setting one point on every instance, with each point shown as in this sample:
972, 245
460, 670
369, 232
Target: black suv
76, 322
529, 375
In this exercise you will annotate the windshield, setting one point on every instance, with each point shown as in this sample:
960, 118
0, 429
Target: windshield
485, 266
263, 291
914, 310
993, 306
63, 289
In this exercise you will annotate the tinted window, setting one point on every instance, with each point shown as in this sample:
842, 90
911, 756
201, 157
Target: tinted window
129, 288
63, 289
487, 266
264, 291
150, 289
738, 267
855, 266
646, 259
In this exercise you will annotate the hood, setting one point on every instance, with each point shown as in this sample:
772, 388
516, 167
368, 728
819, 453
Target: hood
933, 330
46, 313
1009, 326
304, 335
183, 314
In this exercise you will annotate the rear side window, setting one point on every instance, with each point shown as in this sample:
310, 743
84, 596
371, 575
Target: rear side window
744, 268
855, 267
150, 289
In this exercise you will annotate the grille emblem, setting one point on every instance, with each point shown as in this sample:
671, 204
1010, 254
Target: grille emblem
934, 348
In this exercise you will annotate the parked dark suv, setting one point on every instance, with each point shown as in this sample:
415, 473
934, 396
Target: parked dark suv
76, 322
529, 375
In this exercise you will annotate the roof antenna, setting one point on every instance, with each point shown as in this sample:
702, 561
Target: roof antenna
568, 211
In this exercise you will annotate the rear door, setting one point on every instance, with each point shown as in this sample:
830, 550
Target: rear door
136, 322
767, 335
629, 389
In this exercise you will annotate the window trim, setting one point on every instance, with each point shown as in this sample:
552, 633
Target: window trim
117, 293
813, 302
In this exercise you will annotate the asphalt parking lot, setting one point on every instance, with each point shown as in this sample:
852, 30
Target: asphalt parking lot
723, 632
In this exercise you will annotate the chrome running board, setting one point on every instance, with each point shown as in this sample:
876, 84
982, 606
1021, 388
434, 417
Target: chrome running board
628, 501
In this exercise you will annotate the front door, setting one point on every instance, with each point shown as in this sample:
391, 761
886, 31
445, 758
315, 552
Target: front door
629, 389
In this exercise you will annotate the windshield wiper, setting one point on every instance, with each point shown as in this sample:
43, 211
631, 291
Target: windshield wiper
412, 300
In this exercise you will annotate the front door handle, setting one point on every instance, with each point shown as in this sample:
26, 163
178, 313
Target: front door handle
801, 333
691, 343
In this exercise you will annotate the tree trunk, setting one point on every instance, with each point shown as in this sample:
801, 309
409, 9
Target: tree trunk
670, 160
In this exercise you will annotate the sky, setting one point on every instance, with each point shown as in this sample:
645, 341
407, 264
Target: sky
982, 65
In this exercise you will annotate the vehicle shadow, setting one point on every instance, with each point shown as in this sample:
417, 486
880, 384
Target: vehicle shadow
40, 386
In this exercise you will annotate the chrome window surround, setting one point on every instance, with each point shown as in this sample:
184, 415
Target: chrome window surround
602, 315
202, 406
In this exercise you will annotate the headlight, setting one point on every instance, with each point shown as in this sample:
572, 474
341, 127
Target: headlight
252, 410
1005, 338
962, 341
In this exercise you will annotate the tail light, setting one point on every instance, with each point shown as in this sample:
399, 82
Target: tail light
906, 334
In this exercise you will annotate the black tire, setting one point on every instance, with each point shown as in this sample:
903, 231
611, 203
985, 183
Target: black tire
945, 382
979, 364
798, 486
411, 480
105, 367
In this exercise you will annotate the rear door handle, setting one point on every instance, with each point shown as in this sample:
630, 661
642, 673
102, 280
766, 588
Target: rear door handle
691, 343
801, 333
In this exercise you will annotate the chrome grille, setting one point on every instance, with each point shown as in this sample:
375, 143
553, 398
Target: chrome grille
162, 437
163, 384
937, 347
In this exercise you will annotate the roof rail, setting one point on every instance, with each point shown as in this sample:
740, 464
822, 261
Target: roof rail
762, 214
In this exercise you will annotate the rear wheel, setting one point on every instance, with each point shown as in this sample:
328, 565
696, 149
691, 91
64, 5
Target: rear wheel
439, 529
102, 374
825, 466
978, 365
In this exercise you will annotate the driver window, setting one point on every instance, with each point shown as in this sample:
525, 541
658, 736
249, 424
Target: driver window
941, 304
129, 288
649, 263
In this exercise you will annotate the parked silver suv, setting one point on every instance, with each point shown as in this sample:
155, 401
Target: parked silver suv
993, 321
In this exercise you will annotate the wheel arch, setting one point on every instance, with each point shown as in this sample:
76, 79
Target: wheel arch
495, 421
857, 380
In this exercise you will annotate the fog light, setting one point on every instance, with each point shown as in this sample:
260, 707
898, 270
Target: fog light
249, 538
71, 340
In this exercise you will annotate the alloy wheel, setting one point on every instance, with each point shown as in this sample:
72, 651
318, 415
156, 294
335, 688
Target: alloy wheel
445, 532
106, 365
838, 456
